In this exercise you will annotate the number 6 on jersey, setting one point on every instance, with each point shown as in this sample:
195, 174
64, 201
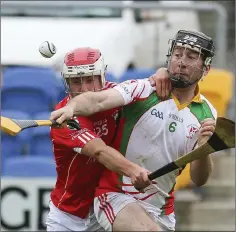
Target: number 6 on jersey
222, 138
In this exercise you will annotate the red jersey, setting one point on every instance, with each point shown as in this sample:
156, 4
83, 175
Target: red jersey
106, 122
77, 174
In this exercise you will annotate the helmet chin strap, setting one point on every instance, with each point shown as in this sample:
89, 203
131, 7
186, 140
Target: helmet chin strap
180, 83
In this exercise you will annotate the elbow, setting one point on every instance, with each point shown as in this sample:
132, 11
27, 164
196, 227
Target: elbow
200, 173
200, 179
95, 148
99, 152
100, 107
200, 183
97, 107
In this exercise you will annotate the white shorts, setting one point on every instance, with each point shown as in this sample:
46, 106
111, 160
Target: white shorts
58, 220
108, 205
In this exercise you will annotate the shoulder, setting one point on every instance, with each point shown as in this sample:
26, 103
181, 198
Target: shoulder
138, 84
109, 85
62, 103
209, 104
134, 90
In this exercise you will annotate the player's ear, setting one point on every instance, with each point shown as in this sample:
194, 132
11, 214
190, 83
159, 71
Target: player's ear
206, 70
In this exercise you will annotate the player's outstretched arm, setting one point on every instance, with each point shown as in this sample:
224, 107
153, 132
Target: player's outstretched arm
86, 142
115, 161
87, 104
92, 102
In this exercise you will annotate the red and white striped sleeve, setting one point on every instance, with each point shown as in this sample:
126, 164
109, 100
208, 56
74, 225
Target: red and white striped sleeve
109, 85
135, 90
71, 139
82, 137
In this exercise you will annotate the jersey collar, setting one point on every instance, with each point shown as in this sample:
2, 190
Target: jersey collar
197, 99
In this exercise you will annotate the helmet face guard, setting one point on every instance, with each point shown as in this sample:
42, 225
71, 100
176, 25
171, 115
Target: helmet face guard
83, 70
200, 45
90, 82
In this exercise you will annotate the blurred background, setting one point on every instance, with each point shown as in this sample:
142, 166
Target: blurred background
133, 37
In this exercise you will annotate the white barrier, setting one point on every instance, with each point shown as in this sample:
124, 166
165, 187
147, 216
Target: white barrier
24, 203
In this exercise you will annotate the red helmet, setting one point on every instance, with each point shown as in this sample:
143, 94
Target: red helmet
83, 62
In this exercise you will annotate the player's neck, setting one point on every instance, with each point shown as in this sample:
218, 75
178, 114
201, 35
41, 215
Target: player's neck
184, 95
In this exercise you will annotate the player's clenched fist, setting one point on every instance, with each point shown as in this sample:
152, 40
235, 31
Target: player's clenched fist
139, 178
63, 114
162, 82
206, 131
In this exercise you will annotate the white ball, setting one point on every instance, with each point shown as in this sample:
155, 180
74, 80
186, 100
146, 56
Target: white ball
47, 49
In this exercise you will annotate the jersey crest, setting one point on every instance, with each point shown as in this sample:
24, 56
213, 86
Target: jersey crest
192, 130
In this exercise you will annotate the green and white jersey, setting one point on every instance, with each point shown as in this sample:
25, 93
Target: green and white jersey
153, 133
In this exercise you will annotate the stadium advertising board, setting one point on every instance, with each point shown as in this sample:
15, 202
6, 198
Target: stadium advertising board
24, 203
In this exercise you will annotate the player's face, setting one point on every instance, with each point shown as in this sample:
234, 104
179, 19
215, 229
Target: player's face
83, 84
186, 64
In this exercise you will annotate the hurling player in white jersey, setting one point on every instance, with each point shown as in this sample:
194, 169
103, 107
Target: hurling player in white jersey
154, 133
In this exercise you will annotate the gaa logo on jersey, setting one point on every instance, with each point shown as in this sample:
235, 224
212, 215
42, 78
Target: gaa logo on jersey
192, 130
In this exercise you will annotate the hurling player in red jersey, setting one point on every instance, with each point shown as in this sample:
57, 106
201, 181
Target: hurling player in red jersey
81, 155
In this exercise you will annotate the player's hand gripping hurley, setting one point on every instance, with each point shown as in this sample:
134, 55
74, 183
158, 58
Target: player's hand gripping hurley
223, 138
14, 126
